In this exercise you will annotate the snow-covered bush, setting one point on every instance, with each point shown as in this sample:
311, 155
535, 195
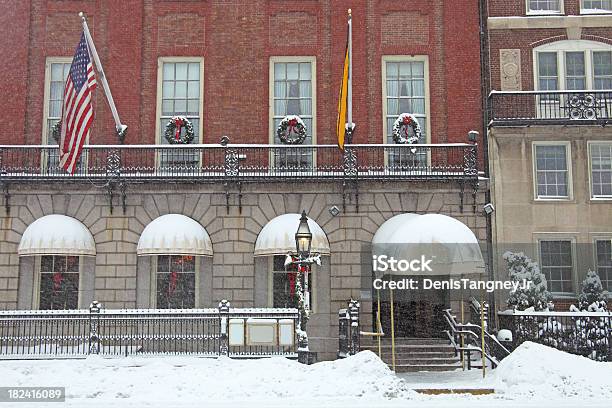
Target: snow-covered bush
592, 334
522, 269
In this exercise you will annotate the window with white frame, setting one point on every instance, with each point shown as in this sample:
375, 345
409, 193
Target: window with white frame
544, 6
551, 168
601, 169
56, 72
595, 6
284, 280
293, 82
603, 259
59, 282
175, 282
180, 94
556, 261
573, 65
405, 90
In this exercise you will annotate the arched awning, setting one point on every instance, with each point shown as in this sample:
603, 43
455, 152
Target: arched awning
277, 237
174, 234
449, 243
57, 234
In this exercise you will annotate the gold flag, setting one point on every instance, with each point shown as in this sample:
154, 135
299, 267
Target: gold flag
343, 99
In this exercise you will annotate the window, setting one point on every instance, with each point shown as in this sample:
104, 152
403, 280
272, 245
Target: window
56, 72
601, 169
180, 93
551, 168
175, 282
283, 284
59, 282
405, 90
603, 259
573, 65
557, 265
595, 6
544, 6
293, 82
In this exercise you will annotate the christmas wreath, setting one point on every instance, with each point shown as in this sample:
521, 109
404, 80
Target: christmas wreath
174, 134
291, 130
401, 129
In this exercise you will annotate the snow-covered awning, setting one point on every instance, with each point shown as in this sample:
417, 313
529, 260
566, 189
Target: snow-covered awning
449, 243
277, 237
174, 234
57, 234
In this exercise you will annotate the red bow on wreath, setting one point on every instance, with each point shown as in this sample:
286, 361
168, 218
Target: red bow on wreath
291, 125
407, 121
178, 122
172, 283
57, 281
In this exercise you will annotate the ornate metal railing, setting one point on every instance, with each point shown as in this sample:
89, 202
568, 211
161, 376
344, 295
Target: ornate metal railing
550, 107
585, 333
120, 332
214, 162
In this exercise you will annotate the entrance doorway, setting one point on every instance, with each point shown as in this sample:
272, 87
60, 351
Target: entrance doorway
416, 319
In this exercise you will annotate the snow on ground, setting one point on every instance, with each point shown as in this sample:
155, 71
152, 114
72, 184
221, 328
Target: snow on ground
533, 376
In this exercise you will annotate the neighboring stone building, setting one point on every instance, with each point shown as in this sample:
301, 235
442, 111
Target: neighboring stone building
233, 68
550, 151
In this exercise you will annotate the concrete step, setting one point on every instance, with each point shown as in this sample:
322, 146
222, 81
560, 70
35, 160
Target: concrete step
423, 361
403, 348
408, 368
369, 341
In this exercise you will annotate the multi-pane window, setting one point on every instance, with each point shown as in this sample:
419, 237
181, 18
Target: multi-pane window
284, 280
596, 6
601, 169
57, 72
556, 260
551, 171
602, 70
603, 259
180, 96
405, 92
175, 282
575, 78
59, 282
544, 6
293, 95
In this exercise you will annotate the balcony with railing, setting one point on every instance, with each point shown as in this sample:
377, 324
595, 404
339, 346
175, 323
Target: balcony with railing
244, 163
524, 108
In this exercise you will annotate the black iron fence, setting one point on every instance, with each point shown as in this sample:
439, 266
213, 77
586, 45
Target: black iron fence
584, 333
349, 332
210, 162
550, 107
235, 332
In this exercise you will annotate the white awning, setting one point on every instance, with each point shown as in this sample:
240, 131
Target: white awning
57, 234
452, 246
277, 237
174, 234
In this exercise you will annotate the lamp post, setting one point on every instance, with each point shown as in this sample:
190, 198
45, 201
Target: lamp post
303, 243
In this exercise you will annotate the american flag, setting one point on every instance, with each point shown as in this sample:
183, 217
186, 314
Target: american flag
77, 111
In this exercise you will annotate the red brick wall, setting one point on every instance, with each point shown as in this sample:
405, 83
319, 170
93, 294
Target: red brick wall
236, 39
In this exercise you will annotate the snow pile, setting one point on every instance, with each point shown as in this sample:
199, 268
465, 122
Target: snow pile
185, 379
542, 372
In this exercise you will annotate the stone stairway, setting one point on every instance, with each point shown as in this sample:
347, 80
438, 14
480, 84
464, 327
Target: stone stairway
412, 354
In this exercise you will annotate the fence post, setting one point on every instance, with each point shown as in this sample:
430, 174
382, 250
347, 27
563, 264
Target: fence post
224, 307
343, 330
94, 322
353, 310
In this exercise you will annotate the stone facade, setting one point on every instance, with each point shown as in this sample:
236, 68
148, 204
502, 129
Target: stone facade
233, 272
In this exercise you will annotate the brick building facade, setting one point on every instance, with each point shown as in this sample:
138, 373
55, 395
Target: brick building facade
233, 57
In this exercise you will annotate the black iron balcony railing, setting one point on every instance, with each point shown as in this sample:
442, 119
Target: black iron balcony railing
550, 108
210, 163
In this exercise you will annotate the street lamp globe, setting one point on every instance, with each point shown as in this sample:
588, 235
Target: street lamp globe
303, 237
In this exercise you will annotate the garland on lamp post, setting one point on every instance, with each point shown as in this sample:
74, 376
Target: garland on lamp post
174, 133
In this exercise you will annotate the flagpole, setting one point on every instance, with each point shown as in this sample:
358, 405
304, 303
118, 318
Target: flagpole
121, 128
350, 73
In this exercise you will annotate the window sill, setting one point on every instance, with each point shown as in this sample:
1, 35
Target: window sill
544, 13
601, 199
553, 199
594, 12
